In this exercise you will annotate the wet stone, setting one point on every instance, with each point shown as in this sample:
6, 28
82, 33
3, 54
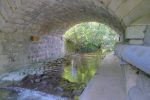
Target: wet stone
37, 80
44, 83
45, 77
51, 80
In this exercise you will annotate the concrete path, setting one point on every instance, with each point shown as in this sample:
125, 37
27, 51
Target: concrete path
107, 84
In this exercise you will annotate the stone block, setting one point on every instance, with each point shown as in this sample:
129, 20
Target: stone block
130, 75
141, 90
1, 48
147, 36
135, 32
3, 60
136, 42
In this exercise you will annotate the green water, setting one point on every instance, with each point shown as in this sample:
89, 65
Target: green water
82, 67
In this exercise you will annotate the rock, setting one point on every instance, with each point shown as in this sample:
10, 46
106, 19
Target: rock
45, 77
44, 83
77, 92
32, 81
37, 80
58, 90
51, 81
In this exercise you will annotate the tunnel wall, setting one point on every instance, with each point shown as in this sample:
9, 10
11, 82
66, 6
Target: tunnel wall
47, 47
138, 35
19, 19
137, 80
18, 50
147, 36
13, 50
17, 16
135, 34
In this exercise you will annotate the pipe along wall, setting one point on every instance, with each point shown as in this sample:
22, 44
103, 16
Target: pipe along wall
138, 56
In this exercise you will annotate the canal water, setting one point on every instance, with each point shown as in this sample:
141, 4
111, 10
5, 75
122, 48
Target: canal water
71, 77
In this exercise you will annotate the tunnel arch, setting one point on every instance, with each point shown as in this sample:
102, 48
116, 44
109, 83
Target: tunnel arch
50, 15
34, 16
21, 19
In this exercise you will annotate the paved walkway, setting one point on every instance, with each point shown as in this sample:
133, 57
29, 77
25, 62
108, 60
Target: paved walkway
108, 82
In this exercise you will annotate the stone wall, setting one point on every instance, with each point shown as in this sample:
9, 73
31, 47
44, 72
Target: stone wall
147, 36
138, 35
137, 83
135, 34
18, 50
20, 19
47, 47
13, 50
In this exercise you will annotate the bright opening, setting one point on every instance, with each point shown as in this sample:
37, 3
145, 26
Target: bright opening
90, 37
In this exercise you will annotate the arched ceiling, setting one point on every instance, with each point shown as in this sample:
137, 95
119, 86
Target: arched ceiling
42, 16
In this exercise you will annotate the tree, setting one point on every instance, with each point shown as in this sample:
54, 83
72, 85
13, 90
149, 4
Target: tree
89, 37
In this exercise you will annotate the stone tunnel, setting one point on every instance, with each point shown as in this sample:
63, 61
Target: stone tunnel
31, 29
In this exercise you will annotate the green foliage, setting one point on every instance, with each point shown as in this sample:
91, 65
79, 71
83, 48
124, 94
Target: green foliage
88, 37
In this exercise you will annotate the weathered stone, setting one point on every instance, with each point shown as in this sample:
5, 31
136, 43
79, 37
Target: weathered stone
135, 32
53, 17
45, 77
37, 80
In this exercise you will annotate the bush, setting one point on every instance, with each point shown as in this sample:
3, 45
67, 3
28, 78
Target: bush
89, 37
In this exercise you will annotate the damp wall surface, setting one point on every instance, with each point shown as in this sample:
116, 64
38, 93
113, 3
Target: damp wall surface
18, 50
47, 47
134, 57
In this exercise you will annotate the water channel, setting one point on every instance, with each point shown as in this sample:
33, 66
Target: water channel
61, 79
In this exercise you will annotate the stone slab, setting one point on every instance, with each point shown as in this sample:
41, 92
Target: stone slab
135, 32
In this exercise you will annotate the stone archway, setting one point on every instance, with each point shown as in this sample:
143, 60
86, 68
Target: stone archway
21, 19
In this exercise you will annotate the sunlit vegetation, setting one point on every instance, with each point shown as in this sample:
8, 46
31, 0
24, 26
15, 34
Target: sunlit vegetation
83, 67
89, 37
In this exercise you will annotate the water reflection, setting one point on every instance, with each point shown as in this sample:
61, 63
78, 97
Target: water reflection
82, 68
65, 77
